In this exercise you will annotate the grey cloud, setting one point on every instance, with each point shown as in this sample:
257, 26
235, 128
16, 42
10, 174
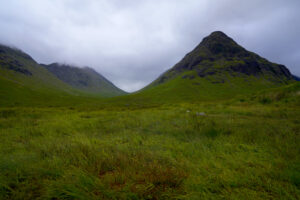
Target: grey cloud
131, 42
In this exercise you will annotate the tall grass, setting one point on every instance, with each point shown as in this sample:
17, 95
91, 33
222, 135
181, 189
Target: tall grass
234, 151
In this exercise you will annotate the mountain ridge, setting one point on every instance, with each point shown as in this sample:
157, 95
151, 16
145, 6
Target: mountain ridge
297, 78
85, 79
24, 82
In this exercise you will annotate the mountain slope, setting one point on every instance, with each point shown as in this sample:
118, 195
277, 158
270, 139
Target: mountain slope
85, 79
217, 68
296, 78
24, 81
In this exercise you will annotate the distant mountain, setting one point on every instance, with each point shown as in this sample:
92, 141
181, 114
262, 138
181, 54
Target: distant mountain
24, 82
218, 67
85, 79
297, 78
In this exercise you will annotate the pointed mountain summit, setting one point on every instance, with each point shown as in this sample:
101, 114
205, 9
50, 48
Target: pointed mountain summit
219, 66
218, 42
218, 53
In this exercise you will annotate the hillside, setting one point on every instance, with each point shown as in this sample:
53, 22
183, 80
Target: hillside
217, 68
85, 79
24, 82
296, 78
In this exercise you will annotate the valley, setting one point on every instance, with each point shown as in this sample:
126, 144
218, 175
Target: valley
223, 123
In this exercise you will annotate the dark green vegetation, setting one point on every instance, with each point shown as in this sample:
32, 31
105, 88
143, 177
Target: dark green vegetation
187, 137
85, 79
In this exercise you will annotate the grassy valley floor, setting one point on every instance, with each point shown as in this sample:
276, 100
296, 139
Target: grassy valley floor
237, 149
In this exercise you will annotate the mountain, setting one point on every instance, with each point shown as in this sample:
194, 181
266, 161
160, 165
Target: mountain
218, 67
24, 82
297, 78
85, 79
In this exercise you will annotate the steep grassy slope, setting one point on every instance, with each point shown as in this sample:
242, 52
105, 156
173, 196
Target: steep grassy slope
85, 79
218, 68
23, 81
19, 67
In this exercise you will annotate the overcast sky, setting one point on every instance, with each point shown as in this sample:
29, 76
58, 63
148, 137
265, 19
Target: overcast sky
132, 42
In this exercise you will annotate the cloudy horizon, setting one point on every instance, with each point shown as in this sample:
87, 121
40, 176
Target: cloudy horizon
132, 42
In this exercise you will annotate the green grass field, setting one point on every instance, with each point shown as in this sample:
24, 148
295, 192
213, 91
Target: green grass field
241, 148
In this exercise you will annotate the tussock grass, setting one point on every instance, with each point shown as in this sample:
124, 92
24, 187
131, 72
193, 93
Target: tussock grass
130, 148
242, 150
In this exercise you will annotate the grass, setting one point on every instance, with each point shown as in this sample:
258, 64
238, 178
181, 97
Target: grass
210, 88
243, 148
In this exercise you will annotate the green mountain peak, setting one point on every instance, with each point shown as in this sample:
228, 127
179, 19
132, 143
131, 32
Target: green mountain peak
218, 68
220, 55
